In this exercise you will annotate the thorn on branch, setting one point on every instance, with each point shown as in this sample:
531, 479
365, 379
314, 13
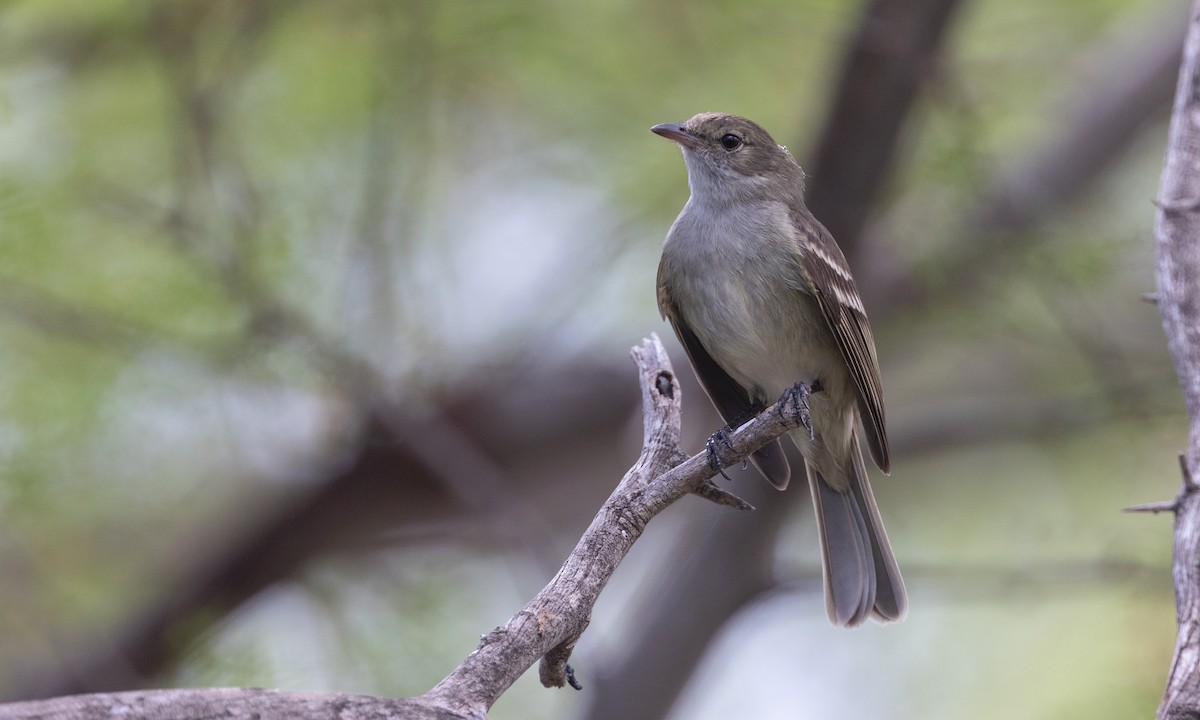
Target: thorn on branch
1154, 507
1150, 297
1189, 486
1189, 483
1177, 206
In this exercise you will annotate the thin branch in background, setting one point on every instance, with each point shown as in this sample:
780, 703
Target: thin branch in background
1114, 98
204, 92
42, 312
1127, 86
378, 486
1100, 349
476, 480
894, 48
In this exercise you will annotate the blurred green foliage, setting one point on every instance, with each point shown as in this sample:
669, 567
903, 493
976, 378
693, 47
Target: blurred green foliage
203, 204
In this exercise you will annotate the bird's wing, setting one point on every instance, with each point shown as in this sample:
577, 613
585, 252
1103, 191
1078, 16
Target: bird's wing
829, 275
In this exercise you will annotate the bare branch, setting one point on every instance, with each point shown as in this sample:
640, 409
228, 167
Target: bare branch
1177, 227
231, 703
547, 627
552, 622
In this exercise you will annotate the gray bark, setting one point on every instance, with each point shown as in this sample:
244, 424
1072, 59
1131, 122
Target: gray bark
232, 703
1177, 232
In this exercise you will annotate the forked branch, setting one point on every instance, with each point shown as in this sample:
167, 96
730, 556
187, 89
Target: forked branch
546, 629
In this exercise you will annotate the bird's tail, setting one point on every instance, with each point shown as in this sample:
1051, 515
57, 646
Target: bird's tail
861, 577
773, 464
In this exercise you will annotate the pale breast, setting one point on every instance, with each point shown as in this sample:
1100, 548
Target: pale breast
735, 275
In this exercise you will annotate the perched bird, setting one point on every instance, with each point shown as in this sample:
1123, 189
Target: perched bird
762, 299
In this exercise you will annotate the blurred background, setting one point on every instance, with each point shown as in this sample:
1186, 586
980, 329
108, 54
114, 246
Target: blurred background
314, 333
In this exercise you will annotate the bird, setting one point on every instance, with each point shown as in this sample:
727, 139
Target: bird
763, 302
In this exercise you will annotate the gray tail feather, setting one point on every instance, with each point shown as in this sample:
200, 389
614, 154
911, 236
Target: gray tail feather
773, 464
891, 599
861, 577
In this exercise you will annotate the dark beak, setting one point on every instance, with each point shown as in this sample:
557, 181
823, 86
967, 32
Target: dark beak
674, 131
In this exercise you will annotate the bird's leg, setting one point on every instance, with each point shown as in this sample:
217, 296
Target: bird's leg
718, 444
794, 401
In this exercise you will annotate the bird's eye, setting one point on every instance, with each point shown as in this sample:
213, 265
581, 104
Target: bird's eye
731, 142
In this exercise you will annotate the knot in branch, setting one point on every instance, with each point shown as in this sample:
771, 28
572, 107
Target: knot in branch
664, 382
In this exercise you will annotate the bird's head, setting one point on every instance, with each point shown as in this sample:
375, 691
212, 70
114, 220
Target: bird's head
730, 158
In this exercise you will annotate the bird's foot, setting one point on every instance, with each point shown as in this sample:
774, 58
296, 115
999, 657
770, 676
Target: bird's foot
794, 403
717, 447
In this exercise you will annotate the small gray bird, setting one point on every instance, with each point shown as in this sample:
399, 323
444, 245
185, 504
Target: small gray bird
761, 298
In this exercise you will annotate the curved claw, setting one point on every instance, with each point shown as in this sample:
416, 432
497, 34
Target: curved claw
794, 401
718, 443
